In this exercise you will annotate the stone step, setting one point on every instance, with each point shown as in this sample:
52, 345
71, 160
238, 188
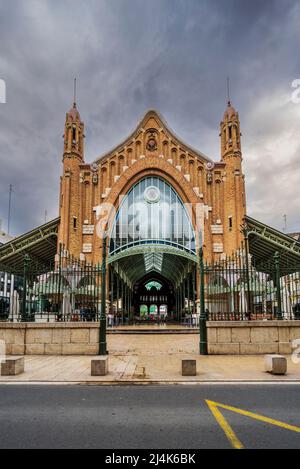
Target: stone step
152, 331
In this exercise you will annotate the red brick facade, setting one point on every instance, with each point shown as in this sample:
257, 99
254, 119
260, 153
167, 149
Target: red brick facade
215, 190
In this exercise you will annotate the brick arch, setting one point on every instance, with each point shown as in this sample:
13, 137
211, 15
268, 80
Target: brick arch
152, 166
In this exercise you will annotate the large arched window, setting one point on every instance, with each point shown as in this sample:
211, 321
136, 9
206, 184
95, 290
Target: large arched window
152, 213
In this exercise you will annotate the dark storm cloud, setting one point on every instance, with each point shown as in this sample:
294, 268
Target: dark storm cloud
131, 55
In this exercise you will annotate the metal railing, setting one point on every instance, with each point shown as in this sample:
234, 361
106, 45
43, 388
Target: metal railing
236, 289
66, 290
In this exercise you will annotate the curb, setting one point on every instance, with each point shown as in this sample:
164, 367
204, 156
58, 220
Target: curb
153, 382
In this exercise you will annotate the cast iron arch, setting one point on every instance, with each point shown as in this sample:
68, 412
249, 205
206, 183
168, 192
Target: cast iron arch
152, 213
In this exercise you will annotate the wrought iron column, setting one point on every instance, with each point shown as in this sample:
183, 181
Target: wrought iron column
131, 303
102, 332
118, 294
25, 274
194, 290
247, 275
59, 299
180, 302
128, 302
202, 321
122, 299
125, 301
277, 285
183, 299
111, 289
188, 294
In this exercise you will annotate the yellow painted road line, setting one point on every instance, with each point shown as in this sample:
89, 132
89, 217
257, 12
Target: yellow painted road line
235, 442
213, 406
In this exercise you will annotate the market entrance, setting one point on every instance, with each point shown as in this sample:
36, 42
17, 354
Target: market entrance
153, 286
152, 255
153, 300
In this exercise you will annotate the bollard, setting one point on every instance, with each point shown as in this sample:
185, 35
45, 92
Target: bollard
275, 364
12, 366
99, 366
188, 367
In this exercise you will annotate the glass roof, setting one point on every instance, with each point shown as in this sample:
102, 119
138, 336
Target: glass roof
153, 261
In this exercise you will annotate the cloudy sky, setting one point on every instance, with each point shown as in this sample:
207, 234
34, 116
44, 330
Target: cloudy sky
131, 55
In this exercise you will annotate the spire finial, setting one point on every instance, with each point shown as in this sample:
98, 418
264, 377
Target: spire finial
74, 101
228, 92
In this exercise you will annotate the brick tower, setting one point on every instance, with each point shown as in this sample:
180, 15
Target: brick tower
234, 184
69, 205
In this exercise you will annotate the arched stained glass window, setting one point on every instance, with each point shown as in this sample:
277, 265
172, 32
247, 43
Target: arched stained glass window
153, 309
143, 310
152, 213
153, 284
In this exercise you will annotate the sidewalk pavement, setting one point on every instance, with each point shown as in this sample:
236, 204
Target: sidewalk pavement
150, 359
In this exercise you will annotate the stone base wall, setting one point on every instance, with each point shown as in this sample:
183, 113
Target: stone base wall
251, 337
78, 338
82, 338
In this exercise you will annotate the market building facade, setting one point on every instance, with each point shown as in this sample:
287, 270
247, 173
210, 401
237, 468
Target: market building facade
157, 200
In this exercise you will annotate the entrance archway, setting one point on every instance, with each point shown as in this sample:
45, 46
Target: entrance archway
153, 291
152, 254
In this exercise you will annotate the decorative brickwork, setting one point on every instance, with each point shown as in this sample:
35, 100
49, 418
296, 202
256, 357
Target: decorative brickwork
215, 190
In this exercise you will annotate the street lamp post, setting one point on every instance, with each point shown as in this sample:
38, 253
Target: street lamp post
102, 332
202, 321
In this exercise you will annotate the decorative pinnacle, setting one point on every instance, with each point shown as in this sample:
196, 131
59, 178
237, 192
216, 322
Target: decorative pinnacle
74, 100
228, 93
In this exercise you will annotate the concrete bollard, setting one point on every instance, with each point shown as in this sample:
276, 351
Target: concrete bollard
275, 364
188, 367
12, 366
140, 372
99, 366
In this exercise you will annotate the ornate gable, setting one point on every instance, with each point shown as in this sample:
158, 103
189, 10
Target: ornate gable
151, 144
153, 137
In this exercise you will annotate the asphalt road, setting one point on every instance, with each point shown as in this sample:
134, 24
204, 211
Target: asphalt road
128, 417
